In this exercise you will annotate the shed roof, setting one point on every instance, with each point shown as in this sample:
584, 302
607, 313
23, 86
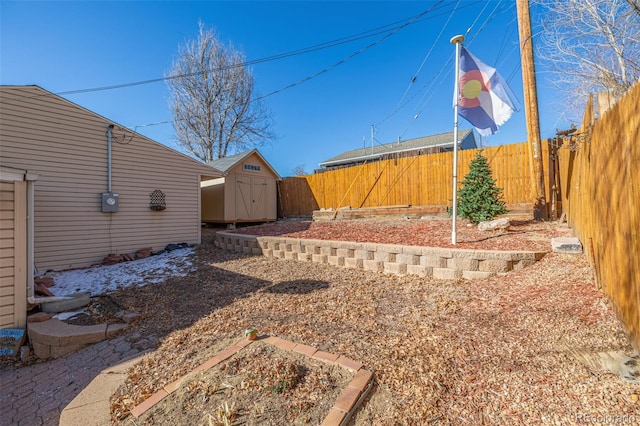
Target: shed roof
362, 154
225, 164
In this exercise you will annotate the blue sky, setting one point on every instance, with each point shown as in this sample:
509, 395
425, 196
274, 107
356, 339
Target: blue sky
66, 46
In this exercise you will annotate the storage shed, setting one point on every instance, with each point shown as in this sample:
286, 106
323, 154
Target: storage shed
247, 192
76, 187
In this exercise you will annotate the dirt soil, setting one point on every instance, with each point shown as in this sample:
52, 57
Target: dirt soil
506, 350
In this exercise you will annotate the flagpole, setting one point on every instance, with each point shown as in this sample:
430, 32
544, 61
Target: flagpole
457, 40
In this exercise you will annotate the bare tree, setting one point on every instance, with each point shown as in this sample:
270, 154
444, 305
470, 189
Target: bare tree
299, 170
590, 45
211, 94
635, 4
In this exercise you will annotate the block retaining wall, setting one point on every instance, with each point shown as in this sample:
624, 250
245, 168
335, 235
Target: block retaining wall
439, 263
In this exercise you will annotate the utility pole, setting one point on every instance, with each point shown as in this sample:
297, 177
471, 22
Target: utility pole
531, 106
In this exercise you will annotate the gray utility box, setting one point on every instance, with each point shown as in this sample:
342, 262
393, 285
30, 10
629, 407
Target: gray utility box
109, 202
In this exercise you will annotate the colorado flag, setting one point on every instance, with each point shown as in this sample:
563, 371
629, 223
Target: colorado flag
484, 98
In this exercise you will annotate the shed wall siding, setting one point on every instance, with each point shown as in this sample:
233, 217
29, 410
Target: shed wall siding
13, 264
67, 146
238, 173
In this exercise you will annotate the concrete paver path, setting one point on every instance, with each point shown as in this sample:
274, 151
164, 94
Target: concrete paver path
37, 394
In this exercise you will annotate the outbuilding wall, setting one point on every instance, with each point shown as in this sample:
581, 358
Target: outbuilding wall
247, 194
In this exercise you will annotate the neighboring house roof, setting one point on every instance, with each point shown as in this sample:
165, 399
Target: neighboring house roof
225, 164
443, 140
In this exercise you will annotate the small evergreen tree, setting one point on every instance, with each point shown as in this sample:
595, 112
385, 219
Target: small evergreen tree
480, 199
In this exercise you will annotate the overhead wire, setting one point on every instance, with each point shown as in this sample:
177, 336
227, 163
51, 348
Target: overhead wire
391, 27
427, 87
391, 32
439, 76
351, 56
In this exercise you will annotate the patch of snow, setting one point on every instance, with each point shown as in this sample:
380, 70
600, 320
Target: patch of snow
66, 315
100, 280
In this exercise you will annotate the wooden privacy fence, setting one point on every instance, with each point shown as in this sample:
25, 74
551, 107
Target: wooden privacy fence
601, 196
424, 180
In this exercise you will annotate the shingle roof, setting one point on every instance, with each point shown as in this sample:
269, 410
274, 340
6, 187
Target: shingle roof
369, 153
225, 164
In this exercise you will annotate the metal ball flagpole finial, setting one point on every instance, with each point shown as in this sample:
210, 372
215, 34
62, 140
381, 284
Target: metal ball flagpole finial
457, 39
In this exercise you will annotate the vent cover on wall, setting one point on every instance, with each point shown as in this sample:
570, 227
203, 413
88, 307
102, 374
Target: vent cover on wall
157, 202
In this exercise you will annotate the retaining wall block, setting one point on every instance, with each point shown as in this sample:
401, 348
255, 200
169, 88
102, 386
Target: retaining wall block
384, 256
267, 252
446, 274
369, 246
415, 250
335, 260
419, 270
312, 249
304, 257
353, 262
491, 265
391, 248
41, 350
290, 255
319, 258
363, 254
408, 259
60, 351
344, 252
395, 268
348, 245
441, 252
517, 265
373, 265
433, 261
327, 250
256, 251
463, 264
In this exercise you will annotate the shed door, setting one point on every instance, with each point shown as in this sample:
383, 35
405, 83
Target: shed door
251, 200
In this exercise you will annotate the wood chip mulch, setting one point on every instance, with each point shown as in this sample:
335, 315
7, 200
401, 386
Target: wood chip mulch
493, 351
522, 234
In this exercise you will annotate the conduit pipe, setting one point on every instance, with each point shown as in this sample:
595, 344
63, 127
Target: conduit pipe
109, 139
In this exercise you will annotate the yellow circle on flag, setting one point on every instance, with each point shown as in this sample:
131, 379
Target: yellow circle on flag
471, 89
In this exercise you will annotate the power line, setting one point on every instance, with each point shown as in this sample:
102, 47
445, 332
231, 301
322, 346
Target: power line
393, 27
439, 76
389, 33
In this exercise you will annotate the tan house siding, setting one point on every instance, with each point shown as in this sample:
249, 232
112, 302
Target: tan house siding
67, 145
13, 257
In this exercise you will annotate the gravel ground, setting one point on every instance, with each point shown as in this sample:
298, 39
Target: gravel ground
518, 349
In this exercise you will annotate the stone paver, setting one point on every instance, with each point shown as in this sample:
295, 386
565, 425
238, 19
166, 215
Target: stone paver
38, 394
